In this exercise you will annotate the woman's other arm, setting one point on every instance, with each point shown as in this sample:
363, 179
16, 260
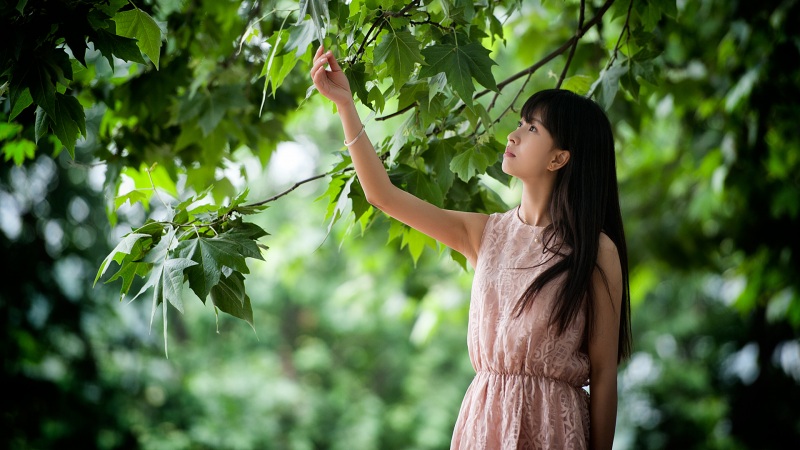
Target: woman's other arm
603, 346
460, 231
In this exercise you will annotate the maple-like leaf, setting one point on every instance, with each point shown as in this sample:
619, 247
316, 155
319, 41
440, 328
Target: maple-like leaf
230, 297
124, 248
210, 256
473, 161
68, 120
400, 51
138, 25
460, 61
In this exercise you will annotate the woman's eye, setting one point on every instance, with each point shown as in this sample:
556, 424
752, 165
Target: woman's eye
519, 124
532, 128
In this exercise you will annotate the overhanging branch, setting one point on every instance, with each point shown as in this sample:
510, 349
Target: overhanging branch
571, 41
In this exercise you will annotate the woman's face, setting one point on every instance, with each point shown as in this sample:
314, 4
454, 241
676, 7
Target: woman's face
530, 150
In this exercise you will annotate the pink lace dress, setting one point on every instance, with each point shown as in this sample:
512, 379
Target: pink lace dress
528, 388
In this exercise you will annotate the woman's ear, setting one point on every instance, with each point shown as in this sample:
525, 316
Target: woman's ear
560, 159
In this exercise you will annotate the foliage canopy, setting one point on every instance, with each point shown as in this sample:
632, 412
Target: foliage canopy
167, 95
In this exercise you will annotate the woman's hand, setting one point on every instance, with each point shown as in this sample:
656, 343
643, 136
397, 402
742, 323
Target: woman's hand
331, 83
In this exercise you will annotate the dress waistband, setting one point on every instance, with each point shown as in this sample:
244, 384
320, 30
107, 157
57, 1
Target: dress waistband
489, 372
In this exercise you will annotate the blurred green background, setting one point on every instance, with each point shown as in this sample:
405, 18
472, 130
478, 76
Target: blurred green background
356, 346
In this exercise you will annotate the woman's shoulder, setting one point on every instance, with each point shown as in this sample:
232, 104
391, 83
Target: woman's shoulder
606, 244
607, 253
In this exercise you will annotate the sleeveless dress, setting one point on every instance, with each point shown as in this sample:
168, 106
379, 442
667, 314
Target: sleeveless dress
528, 388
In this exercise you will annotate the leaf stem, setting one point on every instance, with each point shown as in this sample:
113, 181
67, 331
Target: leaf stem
155, 191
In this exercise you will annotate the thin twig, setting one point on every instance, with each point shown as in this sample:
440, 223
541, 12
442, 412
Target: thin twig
379, 24
578, 34
295, 186
625, 30
158, 196
399, 111
516, 97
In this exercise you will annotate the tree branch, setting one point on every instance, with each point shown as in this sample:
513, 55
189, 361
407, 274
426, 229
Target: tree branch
554, 53
578, 34
399, 111
571, 42
295, 186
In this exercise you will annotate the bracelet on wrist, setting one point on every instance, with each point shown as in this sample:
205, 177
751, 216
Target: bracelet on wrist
348, 144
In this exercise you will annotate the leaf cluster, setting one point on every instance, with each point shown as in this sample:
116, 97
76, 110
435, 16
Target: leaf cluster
43, 43
197, 244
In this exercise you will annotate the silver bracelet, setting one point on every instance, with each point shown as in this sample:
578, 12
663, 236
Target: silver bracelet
348, 144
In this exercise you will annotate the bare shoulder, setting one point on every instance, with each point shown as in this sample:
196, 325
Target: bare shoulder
607, 253
609, 278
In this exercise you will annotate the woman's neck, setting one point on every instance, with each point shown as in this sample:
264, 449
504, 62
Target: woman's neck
535, 203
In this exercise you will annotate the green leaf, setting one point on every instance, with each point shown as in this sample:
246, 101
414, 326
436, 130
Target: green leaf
128, 271
9, 130
277, 67
460, 259
146, 178
171, 281
400, 51
19, 150
336, 210
217, 103
439, 158
133, 197
111, 45
166, 279
416, 242
668, 7
356, 73
460, 62
358, 200
41, 123
125, 247
300, 37
230, 297
22, 101
42, 89
138, 25
421, 186
210, 255
69, 121
608, 82
579, 84
319, 15
473, 161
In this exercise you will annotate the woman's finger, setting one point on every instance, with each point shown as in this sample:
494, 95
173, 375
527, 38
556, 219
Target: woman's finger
320, 77
318, 63
333, 62
315, 74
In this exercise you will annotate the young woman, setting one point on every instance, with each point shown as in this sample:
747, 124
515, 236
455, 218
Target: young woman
549, 312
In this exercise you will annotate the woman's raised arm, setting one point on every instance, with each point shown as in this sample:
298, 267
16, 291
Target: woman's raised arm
460, 231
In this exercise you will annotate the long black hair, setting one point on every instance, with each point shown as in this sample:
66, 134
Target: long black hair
585, 202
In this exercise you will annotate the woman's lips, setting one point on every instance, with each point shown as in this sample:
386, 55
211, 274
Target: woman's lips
508, 154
